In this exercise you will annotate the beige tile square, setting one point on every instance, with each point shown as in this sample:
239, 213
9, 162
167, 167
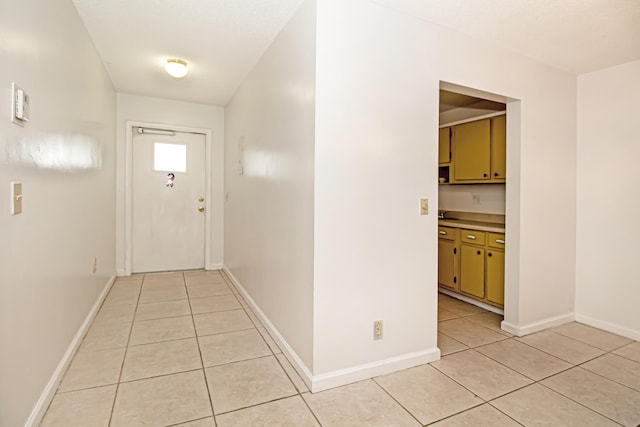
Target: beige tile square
160, 310
91, 407
616, 368
359, 404
270, 342
445, 315
203, 422
210, 279
115, 314
485, 377
420, 390
561, 346
172, 278
469, 333
162, 293
92, 369
106, 336
592, 336
537, 406
127, 284
480, 416
171, 328
292, 373
232, 347
613, 400
210, 290
631, 351
489, 320
222, 321
212, 304
165, 400
151, 360
448, 345
289, 412
524, 359
122, 296
460, 308
247, 383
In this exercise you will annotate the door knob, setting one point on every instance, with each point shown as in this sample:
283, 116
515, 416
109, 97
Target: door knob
201, 208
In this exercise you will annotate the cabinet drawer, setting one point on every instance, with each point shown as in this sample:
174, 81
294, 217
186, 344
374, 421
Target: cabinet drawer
495, 240
472, 236
448, 233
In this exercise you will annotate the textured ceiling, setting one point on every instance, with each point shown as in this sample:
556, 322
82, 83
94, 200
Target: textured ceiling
220, 39
578, 36
223, 39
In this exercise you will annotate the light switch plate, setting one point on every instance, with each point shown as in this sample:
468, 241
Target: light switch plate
19, 105
16, 198
424, 206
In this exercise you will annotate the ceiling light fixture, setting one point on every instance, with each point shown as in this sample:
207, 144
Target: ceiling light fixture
176, 68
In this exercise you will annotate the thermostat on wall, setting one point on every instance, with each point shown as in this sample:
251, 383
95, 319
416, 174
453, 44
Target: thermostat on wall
19, 105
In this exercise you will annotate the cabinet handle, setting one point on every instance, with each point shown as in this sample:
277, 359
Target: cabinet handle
489, 254
484, 175
471, 237
442, 232
500, 241
478, 252
496, 174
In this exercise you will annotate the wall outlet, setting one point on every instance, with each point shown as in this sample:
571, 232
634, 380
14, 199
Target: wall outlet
95, 264
377, 329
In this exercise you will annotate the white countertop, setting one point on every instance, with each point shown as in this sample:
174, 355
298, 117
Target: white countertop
472, 225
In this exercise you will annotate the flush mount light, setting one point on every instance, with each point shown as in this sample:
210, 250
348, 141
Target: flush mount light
176, 68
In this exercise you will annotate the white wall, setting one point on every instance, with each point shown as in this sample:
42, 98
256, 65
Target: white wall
378, 78
375, 256
65, 158
176, 113
478, 198
607, 291
269, 212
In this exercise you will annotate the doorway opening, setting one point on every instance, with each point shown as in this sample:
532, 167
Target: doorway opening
474, 176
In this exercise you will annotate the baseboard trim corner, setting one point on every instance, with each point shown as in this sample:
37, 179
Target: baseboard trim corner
537, 326
41, 406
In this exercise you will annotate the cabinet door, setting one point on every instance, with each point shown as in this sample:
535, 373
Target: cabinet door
499, 148
472, 270
446, 263
472, 151
495, 276
444, 146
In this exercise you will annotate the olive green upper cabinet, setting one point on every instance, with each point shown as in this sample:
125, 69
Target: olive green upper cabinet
472, 151
444, 146
499, 148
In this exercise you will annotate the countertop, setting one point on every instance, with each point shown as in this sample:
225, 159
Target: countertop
472, 225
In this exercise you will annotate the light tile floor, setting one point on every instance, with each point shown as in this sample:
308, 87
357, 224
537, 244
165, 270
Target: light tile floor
184, 349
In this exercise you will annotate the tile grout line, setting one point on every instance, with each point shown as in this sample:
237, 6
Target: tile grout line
126, 349
204, 373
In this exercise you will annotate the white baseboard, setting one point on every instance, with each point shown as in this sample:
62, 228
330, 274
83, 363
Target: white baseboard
50, 389
340, 377
537, 326
215, 267
609, 327
369, 370
289, 353
471, 301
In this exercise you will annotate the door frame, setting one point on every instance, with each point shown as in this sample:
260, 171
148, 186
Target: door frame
128, 182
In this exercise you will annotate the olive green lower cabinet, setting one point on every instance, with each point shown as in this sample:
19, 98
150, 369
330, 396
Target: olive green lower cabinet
480, 263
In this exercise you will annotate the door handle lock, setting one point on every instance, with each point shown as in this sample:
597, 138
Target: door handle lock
200, 208
201, 199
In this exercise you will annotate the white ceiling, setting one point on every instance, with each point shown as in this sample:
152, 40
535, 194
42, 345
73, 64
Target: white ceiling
223, 39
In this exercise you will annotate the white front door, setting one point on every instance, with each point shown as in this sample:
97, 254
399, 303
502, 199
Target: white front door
168, 190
